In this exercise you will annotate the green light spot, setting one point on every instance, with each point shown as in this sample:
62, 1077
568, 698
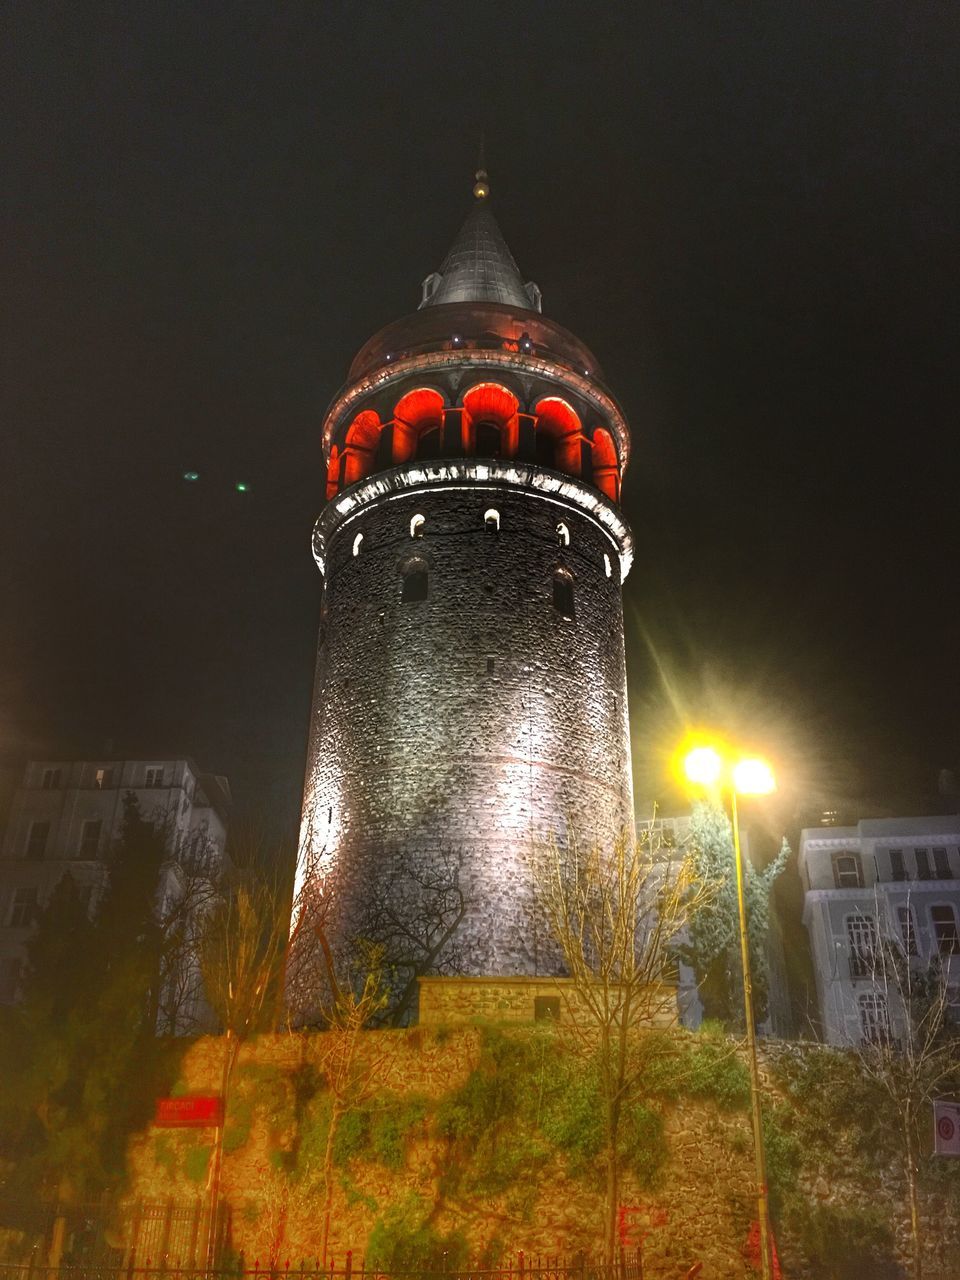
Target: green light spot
242, 486
191, 476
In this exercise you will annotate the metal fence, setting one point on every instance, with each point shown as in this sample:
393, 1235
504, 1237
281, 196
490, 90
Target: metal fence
519, 1266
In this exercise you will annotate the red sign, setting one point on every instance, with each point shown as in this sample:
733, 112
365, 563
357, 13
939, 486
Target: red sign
192, 1111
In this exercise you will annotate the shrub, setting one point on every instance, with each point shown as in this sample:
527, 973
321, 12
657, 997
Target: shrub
239, 1121
164, 1153
196, 1162
703, 1066
643, 1143
844, 1243
352, 1137
390, 1127
784, 1154
403, 1240
572, 1115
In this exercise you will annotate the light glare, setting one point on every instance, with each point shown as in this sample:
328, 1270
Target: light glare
703, 766
753, 778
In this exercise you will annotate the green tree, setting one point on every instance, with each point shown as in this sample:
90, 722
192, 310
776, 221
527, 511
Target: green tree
78, 1056
711, 946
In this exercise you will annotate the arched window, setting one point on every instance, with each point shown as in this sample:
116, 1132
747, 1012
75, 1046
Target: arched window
417, 523
490, 425
563, 594
360, 446
563, 535
606, 470
558, 435
416, 585
491, 518
607, 566
357, 543
417, 425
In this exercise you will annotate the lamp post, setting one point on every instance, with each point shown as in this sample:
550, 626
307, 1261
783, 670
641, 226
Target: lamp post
705, 767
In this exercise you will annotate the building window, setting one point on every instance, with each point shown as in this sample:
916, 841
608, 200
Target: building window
563, 594
607, 566
416, 526
154, 776
51, 779
862, 936
546, 1008
11, 969
907, 931
874, 1023
847, 871
23, 909
945, 933
941, 865
491, 519
103, 779
37, 839
90, 838
898, 870
924, 869
563, 535
357, 542
415, 583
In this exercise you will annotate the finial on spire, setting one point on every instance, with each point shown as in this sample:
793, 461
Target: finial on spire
481, 188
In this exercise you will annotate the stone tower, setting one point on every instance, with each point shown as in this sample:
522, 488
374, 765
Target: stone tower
470, 688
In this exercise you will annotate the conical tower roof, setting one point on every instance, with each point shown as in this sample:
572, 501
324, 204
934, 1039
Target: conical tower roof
480, 267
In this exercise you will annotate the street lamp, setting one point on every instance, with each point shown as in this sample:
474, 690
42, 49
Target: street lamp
706, 767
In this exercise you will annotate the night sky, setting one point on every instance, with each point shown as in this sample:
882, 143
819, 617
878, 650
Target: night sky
748, 212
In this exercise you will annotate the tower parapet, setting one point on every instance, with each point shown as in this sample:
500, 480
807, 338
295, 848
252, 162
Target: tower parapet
470, 696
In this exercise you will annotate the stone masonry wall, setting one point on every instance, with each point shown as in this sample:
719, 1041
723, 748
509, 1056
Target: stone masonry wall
448, 1001
478, 721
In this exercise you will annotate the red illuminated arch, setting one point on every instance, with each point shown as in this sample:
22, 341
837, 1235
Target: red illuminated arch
488, 402
556, 420
606, 470
415, 413
360, 446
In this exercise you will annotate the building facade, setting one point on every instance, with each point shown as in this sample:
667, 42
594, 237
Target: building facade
895, 879
470, 695
65, 816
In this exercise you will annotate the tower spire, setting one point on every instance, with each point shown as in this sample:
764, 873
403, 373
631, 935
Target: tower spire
481, 187
479, 266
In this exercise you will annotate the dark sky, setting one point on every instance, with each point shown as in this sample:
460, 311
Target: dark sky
750, 214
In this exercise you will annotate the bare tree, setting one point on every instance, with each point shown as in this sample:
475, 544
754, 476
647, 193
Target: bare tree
243, 946
351, 1074
412, 913
191, 890
617, 915
909, 1046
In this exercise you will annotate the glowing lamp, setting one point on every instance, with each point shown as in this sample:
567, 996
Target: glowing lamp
703, 766
242, 486
191, 476
753, 778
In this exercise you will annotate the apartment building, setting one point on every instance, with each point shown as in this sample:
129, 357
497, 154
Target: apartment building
885, 878
65, 815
